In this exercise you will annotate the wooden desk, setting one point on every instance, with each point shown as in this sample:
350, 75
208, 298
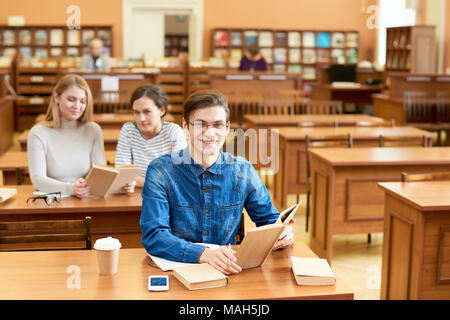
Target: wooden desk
6, 123
345, 198
406, 81
233, 80
261, 121
113, 120
110, 138
43, 276
325, 91
116, 215
290, 178
416, 245
269, 122
13, 163
393, 108
128, 81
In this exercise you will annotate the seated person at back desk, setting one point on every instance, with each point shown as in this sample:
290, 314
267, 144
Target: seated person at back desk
197, 194
253, 60
95, 60
148, 137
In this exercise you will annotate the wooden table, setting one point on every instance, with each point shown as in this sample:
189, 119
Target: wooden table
229, 80
110, 138
43, 275
113, 120
260, 121
269, 122
15, 165
393, 108
116, 215
416, 245
345, 198
290, 162
359, 95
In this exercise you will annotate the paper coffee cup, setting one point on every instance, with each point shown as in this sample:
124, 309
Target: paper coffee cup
107, 255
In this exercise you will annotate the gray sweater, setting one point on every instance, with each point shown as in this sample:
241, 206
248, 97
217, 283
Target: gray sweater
58, 157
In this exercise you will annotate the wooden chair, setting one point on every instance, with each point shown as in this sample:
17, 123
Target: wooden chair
112, 102
372, 124
309, 124
443, 107
418, 108
325, 107
273, 105
425, 176
403, 141
295, 99
40, 232
420, 112
321, 142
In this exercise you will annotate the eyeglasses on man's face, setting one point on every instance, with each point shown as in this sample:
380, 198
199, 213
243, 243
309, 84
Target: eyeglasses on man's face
203, 125
49, 198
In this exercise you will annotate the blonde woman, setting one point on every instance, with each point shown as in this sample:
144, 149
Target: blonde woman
62, 149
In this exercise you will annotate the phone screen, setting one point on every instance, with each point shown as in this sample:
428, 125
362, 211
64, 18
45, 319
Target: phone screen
158, 282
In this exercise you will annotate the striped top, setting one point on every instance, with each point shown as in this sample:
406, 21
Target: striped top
132, 148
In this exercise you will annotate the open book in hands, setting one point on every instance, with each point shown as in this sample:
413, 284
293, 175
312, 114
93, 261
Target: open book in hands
258, 242
105, 180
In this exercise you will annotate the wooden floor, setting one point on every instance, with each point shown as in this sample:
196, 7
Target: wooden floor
355, 261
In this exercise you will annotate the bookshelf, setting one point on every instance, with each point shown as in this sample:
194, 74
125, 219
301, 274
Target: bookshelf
174, 44
410, 49
288, 50
43, 41
35, 80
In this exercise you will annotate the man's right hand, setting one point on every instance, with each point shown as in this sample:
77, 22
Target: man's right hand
222, 258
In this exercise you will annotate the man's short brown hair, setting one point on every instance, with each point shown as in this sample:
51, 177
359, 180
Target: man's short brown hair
202, 99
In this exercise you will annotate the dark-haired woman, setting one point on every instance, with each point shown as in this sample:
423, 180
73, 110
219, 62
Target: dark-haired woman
148, 137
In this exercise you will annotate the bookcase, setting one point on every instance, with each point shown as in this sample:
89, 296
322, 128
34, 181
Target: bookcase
410, 49
174, 44
43, 41
288, 50
35, 80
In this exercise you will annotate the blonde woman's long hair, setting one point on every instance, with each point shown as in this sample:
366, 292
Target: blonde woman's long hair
53, 117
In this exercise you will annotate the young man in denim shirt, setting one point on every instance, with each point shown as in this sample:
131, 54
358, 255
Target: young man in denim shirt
197, 194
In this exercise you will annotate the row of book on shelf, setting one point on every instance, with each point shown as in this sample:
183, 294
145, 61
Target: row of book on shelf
53, 37
294, 39
294, 55
44, 52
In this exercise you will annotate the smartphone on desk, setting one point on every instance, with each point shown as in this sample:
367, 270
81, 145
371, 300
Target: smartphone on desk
158, 283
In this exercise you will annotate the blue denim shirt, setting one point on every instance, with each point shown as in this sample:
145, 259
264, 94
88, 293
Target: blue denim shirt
185, 203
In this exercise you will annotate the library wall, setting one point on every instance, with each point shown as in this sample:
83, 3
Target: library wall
290, 14
104, 12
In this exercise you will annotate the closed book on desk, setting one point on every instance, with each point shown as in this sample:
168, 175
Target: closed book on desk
200, 276
105, 180
257, 245
312, 272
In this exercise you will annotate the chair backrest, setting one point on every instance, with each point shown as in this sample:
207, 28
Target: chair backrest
443, 106
273, 104
326, 141
112, 101
425, 176
295, 99
403, 141
324, 123
374, 124
418, 107
325, 107
37, 233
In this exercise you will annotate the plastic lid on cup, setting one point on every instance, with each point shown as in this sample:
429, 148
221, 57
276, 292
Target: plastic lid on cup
108, 243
